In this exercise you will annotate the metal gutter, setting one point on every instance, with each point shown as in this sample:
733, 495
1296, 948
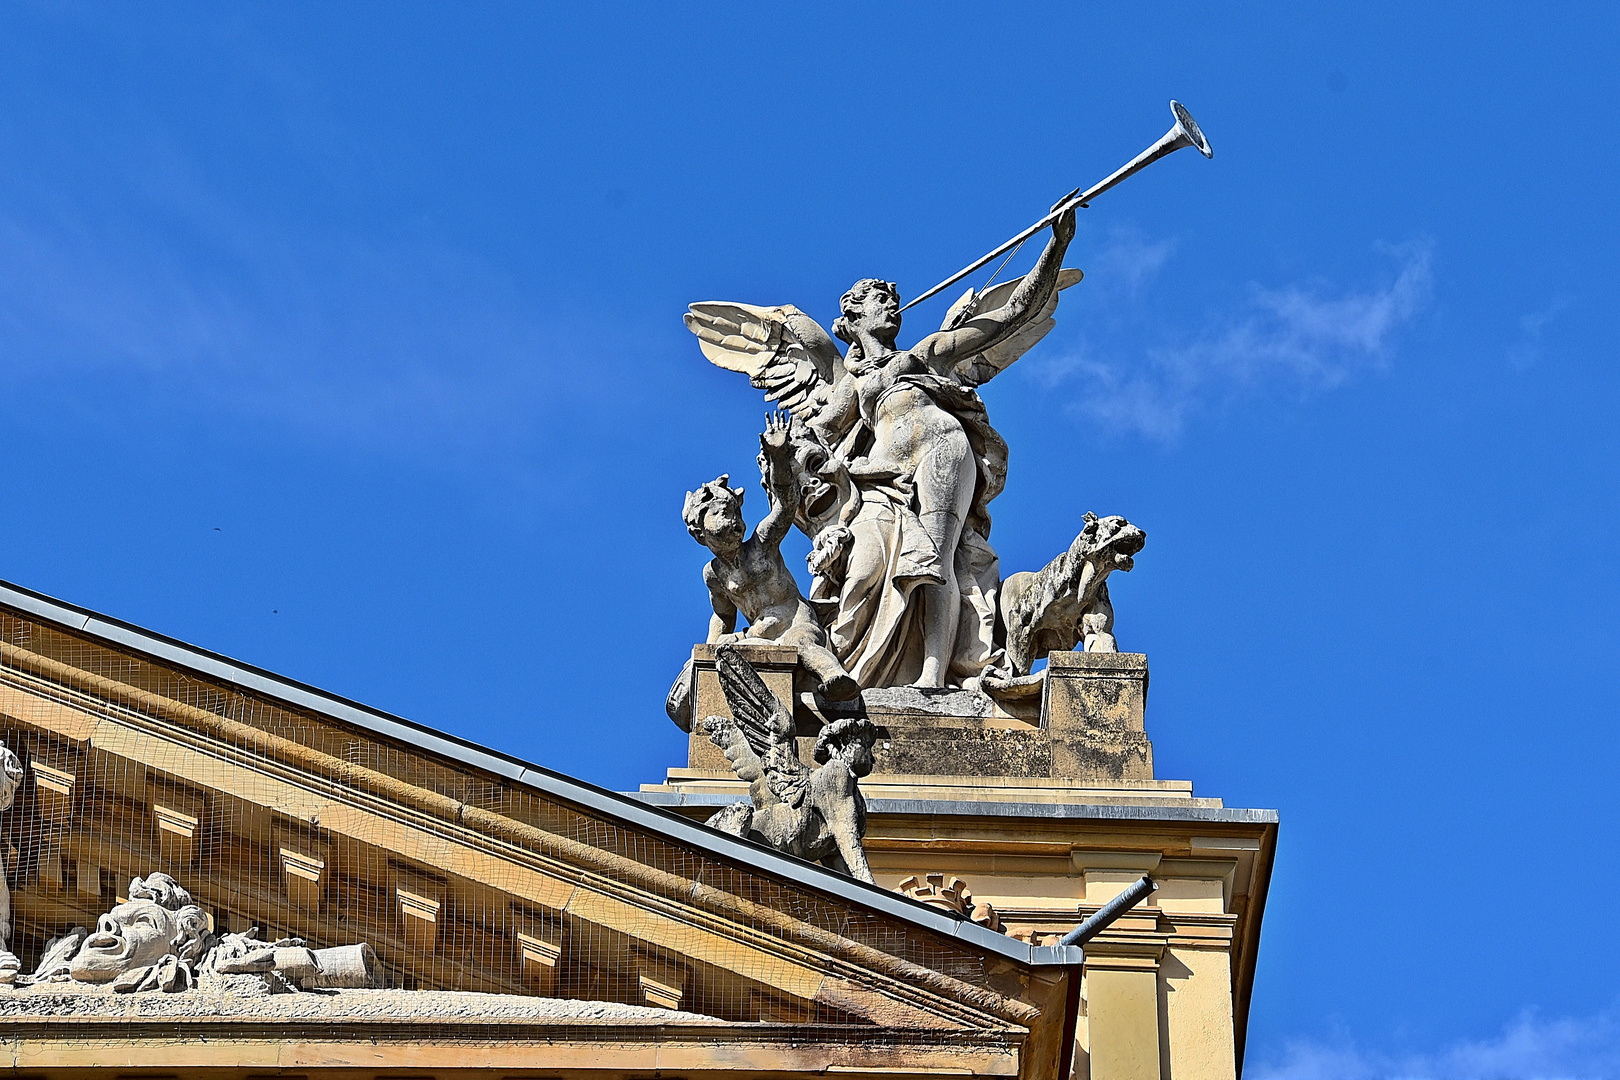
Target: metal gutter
178, 654
968, 808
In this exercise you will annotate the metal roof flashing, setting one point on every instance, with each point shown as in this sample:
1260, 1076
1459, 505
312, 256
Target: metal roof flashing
633, 811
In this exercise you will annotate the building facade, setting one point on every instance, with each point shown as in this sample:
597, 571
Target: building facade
516, 922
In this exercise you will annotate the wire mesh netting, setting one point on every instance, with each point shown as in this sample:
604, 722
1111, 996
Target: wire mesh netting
306, 827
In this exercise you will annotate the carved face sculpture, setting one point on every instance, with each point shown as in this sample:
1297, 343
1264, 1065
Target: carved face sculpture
859, 756
723, 525
822, 482
133, 935
713, 515
851, 741
159, 919
874, 306
11, 774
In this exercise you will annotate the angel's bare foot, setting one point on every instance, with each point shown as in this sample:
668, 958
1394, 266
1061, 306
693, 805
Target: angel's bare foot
839, 688
10, 966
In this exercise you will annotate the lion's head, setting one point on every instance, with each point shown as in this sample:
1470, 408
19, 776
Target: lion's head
1111, 539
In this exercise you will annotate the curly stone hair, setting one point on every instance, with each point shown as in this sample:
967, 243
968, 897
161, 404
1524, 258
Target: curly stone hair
850, 303
698, 501
191, 923
841, 733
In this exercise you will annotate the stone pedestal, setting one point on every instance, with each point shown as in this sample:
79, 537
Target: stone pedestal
1090, 727
1046, 817
775, 664
1092, 709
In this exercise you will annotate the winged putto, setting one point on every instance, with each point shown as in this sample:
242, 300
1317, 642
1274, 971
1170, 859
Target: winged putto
815, 814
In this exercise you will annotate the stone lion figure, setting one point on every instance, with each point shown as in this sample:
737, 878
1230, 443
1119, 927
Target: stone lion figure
1066, 601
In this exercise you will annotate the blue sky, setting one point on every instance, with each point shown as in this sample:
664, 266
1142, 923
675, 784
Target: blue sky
347, 340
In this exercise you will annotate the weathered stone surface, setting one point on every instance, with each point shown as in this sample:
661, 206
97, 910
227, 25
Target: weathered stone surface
244, 997
967, 747
159, 939
748, 576
1093, 710
1066, 602
1090, 726
775, 664
11, 775
817, 815
924, 701
893, 466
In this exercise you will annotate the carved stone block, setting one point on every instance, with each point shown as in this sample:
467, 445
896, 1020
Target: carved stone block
775, 665
302, 875
1092, 708
53, 793
177, 834
419, 918
542, 960
660, 992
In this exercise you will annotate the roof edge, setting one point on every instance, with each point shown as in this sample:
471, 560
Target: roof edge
216, 666
1225, 815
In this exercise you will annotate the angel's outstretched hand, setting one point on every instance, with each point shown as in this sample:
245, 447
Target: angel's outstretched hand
1063, 227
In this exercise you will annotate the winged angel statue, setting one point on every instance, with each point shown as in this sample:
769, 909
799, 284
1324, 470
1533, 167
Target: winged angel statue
895, 461
820, 815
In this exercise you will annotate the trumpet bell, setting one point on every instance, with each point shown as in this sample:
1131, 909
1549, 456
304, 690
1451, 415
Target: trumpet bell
1187, 127
1185, 133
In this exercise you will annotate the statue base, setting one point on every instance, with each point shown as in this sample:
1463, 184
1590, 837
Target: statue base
1089, 728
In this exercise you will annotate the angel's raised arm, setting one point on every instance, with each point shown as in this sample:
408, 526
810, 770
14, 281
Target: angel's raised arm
943, 350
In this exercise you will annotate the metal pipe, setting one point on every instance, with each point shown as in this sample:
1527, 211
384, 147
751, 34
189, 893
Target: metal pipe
1110, 911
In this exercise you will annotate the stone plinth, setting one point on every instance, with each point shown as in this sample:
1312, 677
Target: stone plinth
1090, 727
1092, 708
775, 664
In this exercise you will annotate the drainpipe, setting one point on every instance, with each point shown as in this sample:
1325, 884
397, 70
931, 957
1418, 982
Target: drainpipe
1110, 911
1081, 934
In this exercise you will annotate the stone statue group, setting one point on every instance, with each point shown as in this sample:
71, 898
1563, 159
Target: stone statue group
885, 459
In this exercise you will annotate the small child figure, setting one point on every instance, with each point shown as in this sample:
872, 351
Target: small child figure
750, 576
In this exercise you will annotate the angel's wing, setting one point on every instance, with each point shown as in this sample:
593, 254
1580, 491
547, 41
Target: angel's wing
725, 733
764, 723
783, 351
980, 369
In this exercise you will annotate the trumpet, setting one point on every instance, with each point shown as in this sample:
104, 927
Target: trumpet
1182, 134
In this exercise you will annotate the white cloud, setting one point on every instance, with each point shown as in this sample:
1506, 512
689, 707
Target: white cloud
1530, 1047
1129, 261
1296, 339
384, 346
1526, 349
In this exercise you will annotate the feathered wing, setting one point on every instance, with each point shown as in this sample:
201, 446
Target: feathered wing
765, 726
783, 351
980, 369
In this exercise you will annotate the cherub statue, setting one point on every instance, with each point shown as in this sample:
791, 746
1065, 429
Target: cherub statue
749, 575
11, 776
818, 815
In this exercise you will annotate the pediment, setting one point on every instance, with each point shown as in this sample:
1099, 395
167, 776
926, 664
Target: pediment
468, 873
